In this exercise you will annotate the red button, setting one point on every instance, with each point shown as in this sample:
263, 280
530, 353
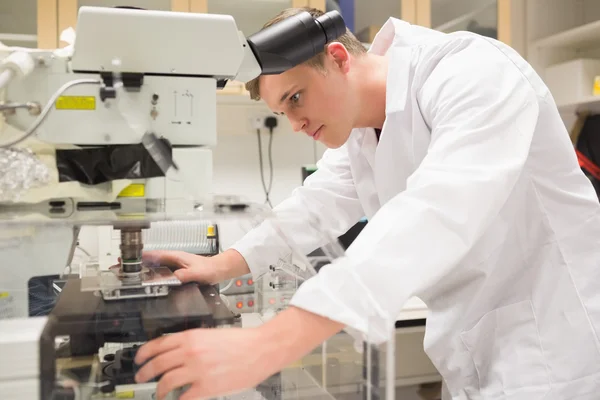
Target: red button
239, 304
250, 282
250, 303
238, 283
272, 301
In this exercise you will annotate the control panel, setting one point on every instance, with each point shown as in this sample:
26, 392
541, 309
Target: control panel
273, 292
242, 285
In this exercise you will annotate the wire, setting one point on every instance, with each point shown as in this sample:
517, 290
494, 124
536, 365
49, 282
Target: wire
5, 77
270, 154
47, 109
14, 106
227, 286
260, 160
87, 253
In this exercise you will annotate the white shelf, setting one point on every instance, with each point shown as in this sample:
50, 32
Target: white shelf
16, 37
450, 26
590, 104
583, 36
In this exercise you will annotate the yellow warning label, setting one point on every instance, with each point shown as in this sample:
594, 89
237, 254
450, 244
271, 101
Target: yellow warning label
3, 295
129, 394
134, 190
596, 90
76, 103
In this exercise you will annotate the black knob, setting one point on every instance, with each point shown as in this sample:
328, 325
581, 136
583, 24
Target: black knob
108, 388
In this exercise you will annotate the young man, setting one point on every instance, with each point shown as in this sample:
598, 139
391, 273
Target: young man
453, 148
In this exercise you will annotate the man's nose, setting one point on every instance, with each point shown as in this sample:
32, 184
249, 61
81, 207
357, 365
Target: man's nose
298, 124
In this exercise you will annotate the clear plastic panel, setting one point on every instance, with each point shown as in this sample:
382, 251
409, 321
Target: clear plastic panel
72, 326
85, 341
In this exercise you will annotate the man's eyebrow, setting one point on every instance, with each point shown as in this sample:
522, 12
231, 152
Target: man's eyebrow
285, 96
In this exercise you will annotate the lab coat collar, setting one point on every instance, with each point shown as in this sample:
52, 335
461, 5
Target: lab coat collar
394, 39
394, 31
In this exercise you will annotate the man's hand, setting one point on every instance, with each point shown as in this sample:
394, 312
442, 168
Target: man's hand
217, 362
212, 361
193, 268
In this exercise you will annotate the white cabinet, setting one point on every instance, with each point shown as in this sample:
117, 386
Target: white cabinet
564, 48
479, 16
368, 18
492, 18
19, 23
161, 5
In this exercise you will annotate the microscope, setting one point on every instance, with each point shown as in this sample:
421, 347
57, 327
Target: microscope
121, 125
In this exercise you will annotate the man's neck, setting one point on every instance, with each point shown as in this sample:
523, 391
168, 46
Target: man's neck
371, 78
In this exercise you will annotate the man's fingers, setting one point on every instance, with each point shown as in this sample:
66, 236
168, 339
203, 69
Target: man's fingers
156, 347
163, 257
175, 379
185, 275
159, 365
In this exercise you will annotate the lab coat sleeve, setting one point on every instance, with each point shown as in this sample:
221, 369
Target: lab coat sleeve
482, 113
325, 207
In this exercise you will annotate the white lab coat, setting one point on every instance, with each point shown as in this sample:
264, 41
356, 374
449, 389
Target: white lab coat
477, 205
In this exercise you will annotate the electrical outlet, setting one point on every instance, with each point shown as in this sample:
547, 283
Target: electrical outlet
257, 121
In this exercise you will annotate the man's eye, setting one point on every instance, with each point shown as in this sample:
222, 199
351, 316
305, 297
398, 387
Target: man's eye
295, 98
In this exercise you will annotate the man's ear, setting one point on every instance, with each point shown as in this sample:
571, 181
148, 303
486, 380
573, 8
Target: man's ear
339, 55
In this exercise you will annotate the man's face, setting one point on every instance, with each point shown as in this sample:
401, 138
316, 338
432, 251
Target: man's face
315, 101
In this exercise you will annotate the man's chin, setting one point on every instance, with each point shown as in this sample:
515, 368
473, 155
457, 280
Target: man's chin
333, 146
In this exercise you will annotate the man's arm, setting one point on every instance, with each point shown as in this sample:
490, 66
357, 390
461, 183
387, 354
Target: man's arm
482, 120
325, 207
294, 333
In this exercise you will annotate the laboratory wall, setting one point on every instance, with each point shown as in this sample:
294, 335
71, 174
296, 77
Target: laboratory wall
236, 160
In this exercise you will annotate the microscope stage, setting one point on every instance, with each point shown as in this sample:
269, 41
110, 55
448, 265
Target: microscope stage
91, 321
117, 285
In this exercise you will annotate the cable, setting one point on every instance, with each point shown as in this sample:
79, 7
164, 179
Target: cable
227, 286
15, 106
47, 109
271, 124
262, 175
270, 155
84, 251
5, 77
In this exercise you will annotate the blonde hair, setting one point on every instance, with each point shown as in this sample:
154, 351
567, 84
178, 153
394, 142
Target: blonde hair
352, 44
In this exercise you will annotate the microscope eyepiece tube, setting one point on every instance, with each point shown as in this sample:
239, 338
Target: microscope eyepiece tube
294, 40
